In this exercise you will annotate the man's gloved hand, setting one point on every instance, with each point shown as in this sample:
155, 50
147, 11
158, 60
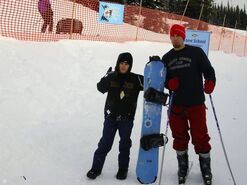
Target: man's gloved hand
209, 86
154, 58
173, 84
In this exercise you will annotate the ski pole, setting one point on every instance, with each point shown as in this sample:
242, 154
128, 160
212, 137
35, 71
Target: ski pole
166, 131
221, 139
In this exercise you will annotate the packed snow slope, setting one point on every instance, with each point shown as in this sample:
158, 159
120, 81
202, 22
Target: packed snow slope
51, 114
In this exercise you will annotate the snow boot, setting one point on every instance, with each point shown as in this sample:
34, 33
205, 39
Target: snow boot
183, 164
92, 174
122, 174
206, 168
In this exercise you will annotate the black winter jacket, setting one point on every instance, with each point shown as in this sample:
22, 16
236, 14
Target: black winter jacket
117, 103
190, 65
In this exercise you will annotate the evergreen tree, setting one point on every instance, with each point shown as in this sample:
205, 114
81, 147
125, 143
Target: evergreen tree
172, 6
194, 8
207, 10
212, 13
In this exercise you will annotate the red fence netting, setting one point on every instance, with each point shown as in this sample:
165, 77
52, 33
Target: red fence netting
78, 19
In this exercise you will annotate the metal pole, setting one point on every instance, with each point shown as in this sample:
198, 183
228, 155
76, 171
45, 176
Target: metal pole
166, 132
234, 35
221, 139
200, 16
245, 41
224, 20
72, 20
184, 11
139, 17
221, 32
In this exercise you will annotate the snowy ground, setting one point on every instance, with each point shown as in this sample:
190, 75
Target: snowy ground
51, 113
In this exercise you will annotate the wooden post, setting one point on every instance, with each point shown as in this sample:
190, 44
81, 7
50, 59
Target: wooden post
184, 11
72, 20
234, 33
139, 17
222, 32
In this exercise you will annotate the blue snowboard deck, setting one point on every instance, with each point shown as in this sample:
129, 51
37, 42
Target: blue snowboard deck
147, 164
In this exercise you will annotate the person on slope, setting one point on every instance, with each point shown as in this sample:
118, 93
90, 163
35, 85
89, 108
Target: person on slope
122, 88
186, 67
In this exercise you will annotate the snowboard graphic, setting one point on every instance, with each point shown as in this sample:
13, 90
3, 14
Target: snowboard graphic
147, 164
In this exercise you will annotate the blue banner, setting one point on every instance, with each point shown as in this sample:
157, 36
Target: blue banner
198, 38
111, 13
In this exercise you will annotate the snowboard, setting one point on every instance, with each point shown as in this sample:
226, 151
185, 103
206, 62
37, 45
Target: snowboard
147, 163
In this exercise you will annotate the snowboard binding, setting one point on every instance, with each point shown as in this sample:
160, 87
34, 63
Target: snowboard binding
152, 95
153, 141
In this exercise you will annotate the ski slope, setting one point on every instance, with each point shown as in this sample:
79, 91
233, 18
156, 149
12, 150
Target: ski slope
51, 114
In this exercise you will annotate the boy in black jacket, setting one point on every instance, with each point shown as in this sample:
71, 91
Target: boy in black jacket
123, 88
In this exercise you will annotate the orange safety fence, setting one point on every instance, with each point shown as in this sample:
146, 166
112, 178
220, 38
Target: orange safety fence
78, 19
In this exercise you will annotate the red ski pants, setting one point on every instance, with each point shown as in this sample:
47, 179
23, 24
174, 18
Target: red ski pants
189, 118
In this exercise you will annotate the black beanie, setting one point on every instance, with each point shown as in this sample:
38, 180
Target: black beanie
124, 57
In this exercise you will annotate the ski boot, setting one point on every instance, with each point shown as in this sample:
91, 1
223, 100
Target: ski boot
183, 164
205, 168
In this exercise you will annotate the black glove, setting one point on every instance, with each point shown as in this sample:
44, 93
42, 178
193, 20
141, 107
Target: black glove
154, 58
104, 82
109, 70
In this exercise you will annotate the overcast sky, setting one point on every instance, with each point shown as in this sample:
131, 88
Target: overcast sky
240, 3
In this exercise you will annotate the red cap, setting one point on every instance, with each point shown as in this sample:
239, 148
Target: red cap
177, 29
